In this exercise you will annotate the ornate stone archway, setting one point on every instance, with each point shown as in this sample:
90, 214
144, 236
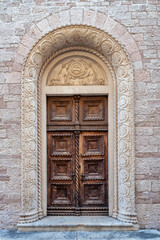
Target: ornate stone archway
105, 45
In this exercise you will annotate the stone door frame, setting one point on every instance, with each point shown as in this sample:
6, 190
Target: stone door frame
87, 90
102, 44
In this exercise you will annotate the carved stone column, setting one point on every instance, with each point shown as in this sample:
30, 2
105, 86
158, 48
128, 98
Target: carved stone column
31, 203
126, 158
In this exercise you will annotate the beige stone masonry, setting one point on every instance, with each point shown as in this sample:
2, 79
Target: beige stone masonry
132, 24
124, 197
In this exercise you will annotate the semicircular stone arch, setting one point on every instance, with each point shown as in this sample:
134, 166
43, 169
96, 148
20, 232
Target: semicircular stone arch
105, 45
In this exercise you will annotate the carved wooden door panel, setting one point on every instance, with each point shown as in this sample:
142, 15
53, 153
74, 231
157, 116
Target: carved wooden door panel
77, 155
93, 172
61, 168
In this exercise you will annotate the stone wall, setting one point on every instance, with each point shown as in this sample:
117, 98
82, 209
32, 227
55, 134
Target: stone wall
142, 20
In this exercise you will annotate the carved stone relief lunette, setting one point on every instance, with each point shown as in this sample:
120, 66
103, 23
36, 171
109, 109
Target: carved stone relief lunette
76, 71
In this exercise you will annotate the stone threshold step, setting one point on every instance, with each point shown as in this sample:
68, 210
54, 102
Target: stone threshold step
77, 223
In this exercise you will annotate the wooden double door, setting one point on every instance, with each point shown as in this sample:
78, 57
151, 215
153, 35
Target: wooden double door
77, 155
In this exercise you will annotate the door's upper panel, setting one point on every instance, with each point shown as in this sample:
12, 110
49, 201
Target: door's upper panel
60, 111
93, 111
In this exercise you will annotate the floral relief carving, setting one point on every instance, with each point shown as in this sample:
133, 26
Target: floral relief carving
76, 71
104, 44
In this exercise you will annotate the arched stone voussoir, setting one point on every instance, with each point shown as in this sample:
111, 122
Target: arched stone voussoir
85, 17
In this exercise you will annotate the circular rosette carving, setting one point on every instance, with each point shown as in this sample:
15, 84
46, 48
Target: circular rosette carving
116, 58
124, 176
123, 101
30, 117
30, 177
30, 146
31, 191
37, 59
30, 161
32, 73
107, 47
123, 87
123, 72
123, 146
123, 116
123, 131
125, 204
94, 39
59, 40
124, 160
124, 191
46, 47
30, 132
29, 89
30, 102
31, 203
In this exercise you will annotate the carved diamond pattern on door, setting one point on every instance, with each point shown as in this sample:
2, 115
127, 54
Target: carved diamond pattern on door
93, 145
93, 168
93, 110
77, 156
61, 169
60, 110
93, 194
61, 144
62, 194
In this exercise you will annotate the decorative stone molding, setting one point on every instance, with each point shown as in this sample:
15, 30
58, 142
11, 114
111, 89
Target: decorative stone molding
105, 45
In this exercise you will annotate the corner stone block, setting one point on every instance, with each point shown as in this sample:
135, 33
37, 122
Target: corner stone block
44, 26
131, 46
118, 30
129, 43
89, 17
64, 18
35, 33
19, 58
109, 24
22, 50
17, 67
100, 19
136, 56
28, 41
137, 65
54, 21
76, 16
